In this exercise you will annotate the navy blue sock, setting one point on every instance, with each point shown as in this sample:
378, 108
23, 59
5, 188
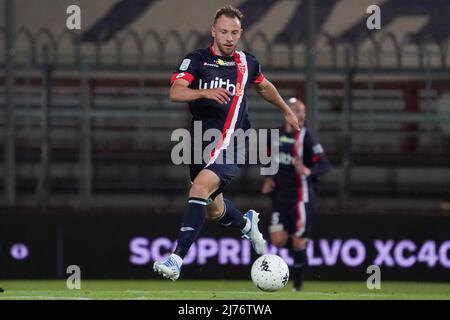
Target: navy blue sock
231, 216
193, 220
300, 263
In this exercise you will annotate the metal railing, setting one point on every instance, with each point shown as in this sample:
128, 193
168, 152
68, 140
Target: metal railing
89, 132
152, 49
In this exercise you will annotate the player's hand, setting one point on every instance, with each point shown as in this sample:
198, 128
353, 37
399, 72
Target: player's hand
219, 95
300, 168
291, 118
268, 186
306, 171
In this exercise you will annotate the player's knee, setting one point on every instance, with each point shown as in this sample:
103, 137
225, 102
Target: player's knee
278, 239
199, 191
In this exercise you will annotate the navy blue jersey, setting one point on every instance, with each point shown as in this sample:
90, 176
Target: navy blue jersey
290, 186
203, 69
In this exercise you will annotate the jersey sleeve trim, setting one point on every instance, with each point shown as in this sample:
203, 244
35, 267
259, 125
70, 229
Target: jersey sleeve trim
316, 157
182, 75
260, 78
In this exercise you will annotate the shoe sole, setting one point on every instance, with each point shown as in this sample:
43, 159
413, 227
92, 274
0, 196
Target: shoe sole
162, 273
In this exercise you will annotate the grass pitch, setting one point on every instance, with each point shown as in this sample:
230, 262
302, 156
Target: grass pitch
216, 290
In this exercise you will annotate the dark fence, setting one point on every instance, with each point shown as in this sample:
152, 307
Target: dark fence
89, 125
155, 50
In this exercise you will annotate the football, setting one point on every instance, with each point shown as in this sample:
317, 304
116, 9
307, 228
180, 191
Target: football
270, 272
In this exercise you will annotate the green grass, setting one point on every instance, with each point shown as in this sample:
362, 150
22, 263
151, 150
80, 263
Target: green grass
217, 290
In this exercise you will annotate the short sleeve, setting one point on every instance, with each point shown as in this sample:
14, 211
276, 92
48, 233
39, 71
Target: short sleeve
314, 144
188, 69
258, 76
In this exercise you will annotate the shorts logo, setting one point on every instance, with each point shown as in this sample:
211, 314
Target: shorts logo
185, 64
181, 75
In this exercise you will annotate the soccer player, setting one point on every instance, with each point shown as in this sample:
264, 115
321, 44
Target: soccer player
214, 82
294, 189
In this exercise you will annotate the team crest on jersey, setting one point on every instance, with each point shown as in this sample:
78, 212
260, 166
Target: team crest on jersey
242, 68
239, 90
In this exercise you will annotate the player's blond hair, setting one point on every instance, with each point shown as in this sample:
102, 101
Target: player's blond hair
230, 12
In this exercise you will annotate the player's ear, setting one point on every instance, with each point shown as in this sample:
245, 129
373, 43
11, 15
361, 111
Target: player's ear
213, 31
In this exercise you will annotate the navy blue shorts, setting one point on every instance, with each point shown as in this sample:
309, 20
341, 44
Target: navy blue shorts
225, 168
226, 172
293, 217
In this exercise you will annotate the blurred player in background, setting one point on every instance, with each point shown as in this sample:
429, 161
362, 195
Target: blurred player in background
294, 189
214, 81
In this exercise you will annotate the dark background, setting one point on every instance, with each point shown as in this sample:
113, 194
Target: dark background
100, 245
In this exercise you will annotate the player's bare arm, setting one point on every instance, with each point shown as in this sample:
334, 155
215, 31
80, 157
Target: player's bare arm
269, 93
180, 92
